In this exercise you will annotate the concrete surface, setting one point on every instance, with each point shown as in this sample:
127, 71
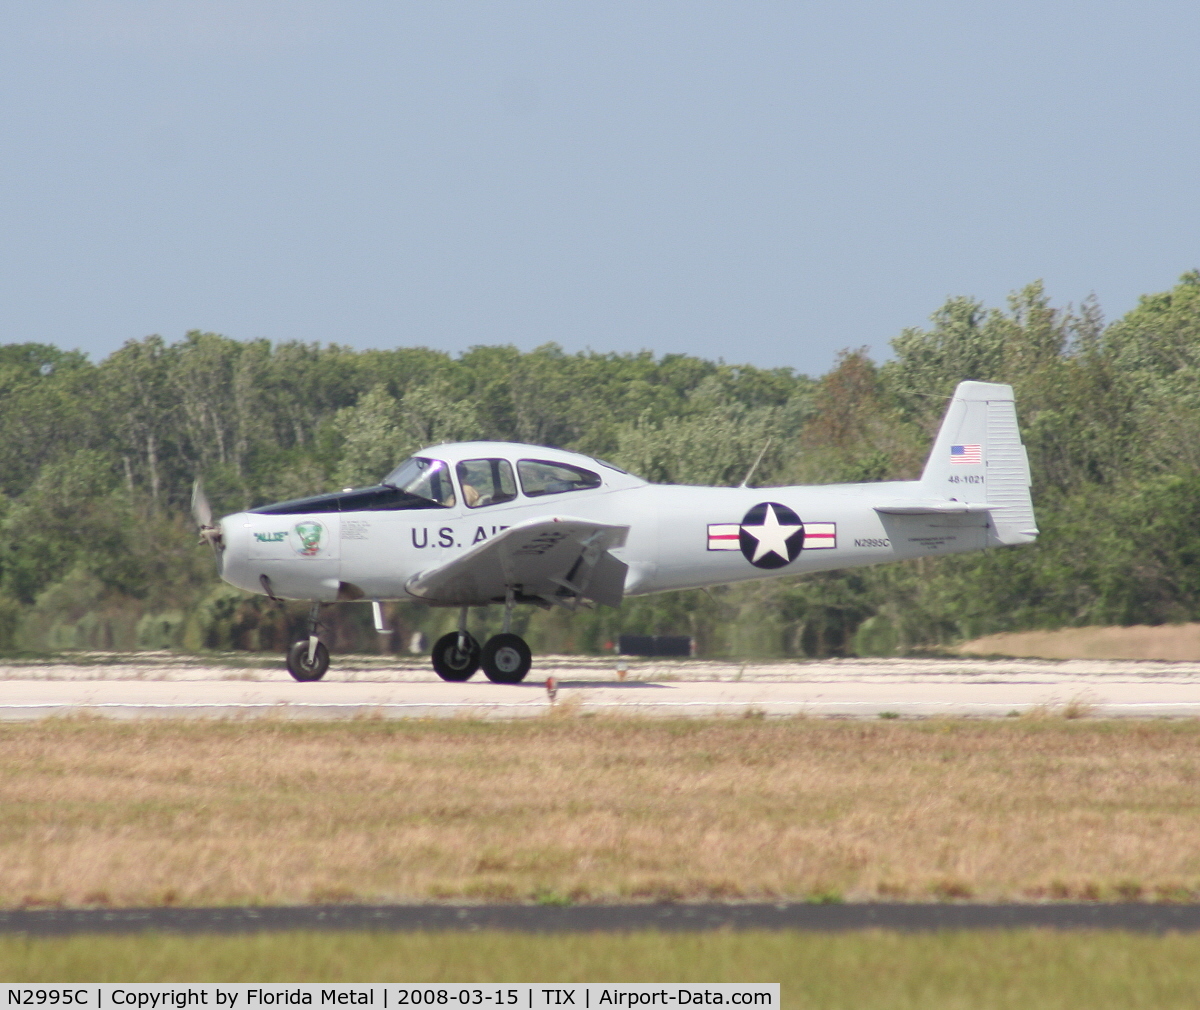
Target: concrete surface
240, 686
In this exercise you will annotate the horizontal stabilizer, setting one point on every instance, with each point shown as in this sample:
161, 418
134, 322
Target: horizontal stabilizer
914, 507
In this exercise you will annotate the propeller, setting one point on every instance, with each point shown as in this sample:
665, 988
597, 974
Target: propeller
202, 513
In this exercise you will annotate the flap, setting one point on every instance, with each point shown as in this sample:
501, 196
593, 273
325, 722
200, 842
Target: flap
554, 559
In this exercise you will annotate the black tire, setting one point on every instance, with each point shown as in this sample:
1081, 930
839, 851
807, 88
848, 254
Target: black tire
453, 663
299, 666
506, 659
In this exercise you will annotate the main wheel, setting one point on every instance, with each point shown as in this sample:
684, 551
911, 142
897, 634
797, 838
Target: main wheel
453, 663
506, 659
299, 666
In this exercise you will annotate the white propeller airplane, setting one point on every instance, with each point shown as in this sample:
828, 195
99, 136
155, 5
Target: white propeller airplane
476, 523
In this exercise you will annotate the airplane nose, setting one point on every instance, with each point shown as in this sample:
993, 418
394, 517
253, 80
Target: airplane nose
233, 544
239, 564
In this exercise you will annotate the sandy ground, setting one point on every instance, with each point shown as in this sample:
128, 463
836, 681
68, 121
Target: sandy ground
1172, 642
236, 686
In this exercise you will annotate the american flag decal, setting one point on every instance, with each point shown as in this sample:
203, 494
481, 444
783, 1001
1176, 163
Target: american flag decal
724, 537
966, 454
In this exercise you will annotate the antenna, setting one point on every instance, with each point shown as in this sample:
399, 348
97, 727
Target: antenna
754, 466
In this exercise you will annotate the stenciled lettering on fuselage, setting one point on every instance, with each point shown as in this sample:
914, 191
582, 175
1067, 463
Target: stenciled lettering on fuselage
872, 542
771, 535
449, 536
934, 542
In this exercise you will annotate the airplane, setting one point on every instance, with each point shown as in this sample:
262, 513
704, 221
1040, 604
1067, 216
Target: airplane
476, 523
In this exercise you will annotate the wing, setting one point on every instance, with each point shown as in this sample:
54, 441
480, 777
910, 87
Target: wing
554, 560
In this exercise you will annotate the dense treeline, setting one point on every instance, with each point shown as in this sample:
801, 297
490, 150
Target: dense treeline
97, 462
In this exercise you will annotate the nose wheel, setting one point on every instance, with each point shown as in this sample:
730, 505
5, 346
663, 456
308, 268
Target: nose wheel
506, 659
305, 663
307, 659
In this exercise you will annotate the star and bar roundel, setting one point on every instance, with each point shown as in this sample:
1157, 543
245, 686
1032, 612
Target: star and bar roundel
771, 535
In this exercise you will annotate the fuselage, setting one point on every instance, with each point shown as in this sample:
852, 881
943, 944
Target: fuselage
368, 543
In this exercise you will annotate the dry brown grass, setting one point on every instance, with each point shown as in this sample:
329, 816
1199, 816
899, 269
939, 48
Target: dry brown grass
98, 812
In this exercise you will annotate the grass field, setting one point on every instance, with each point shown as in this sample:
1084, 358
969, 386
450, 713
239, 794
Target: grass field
151, 813
858, 971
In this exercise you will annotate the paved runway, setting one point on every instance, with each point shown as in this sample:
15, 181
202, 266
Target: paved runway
1134, 917
161, 685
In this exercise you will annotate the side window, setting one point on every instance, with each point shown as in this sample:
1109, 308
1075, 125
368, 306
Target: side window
486, 482
539, 477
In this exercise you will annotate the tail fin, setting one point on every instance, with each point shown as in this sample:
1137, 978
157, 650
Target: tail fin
978, 457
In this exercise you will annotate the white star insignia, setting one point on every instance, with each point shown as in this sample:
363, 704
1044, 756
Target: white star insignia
772, 536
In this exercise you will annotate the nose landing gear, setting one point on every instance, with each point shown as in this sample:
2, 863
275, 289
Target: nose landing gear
302, 666
308, 659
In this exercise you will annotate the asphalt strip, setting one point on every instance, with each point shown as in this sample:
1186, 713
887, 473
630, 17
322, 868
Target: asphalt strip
1132, 916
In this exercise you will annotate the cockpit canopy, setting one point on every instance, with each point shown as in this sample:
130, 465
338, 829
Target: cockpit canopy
423, 482
417, 483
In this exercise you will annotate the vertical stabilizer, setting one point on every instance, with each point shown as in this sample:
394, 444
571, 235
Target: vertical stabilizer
978, 457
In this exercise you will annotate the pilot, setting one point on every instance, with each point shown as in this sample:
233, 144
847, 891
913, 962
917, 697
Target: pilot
470, 496
441, 487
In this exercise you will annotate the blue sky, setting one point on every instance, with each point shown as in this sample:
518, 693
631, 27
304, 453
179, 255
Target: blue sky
759, 181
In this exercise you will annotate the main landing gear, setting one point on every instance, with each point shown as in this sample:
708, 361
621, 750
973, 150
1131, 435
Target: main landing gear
456, 656
505, 657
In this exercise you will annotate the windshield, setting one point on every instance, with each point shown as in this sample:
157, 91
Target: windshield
427, 478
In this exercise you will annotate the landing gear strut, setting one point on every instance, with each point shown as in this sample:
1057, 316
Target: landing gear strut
506, 658
308, 659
